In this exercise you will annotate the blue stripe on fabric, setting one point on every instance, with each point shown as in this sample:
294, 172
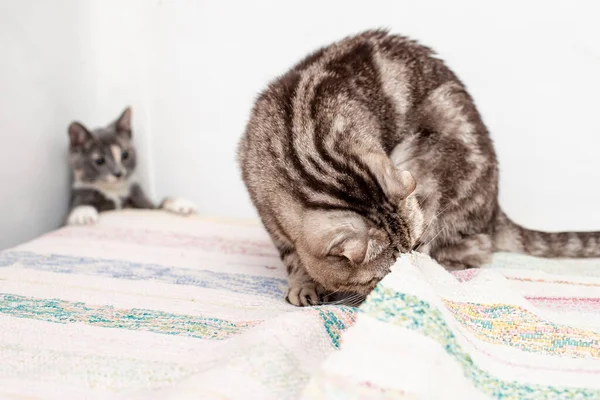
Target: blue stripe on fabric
119, 269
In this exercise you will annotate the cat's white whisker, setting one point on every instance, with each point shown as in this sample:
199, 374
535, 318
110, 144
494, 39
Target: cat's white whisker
430, 223
432, 239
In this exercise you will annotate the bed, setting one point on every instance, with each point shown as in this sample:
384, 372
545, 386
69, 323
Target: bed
148, 305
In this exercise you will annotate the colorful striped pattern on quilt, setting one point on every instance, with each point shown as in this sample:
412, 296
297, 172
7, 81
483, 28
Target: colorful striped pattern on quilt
146, 305
521, 328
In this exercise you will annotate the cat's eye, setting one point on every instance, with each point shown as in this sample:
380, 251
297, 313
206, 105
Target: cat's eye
99, 161
124, 155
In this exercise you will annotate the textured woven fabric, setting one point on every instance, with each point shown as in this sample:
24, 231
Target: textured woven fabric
145, 305
150, 305
521, 328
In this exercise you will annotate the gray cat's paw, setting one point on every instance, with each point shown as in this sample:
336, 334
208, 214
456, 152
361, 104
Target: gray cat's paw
83, 215
179, 206
303, 294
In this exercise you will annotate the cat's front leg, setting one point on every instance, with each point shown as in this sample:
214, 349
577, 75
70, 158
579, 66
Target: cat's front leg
178, 206
84, 207
174, 205
302, 289
138, 198
83, 215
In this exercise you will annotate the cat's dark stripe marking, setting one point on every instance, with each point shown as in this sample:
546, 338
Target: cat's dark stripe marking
363, 187
320, 185
357, 69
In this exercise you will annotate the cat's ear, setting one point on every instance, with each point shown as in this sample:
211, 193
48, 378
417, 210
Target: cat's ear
396, 184
342, 236
123, 123
350, 244
78, 135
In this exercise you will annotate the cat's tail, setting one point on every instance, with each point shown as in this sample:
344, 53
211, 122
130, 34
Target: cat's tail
508, 236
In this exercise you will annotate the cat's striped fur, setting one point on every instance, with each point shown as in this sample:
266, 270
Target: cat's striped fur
325, 156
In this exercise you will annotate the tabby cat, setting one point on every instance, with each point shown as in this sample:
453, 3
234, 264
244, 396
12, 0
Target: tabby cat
372, 147
103, 163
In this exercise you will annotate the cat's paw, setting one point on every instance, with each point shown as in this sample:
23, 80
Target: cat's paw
83, 215
303, 294
179, 206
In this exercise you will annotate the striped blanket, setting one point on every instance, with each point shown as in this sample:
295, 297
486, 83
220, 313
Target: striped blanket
146, 305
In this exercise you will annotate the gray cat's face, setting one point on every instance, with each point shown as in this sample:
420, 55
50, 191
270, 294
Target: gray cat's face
104, 155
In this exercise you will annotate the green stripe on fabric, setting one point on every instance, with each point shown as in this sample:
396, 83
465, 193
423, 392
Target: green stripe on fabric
410, 312
64, 312
336, 320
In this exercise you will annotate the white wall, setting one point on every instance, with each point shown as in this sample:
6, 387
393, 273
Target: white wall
531, 66
122, 48
46, 76
191, 70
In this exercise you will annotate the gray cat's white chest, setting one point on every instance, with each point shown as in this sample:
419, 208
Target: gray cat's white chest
115, 192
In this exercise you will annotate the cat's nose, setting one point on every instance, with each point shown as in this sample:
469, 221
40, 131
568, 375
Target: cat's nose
118, 174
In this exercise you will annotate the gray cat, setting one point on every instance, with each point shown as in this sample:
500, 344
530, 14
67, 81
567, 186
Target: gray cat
372, 147
103, 163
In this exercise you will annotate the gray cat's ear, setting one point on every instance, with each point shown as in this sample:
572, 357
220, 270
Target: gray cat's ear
78, 135
123, 123
396, 184
327, 234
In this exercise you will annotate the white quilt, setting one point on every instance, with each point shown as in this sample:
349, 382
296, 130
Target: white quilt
139, 304
523, 328
147, 305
